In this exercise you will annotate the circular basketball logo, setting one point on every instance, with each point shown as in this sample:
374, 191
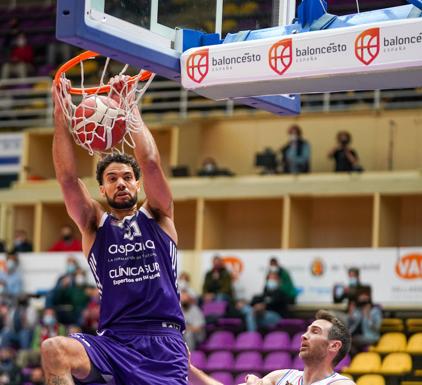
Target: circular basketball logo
197, 65
367, 45
317, 267
280, 56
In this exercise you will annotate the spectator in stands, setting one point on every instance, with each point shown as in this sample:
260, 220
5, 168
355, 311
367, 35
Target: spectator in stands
46, 328
91, 313
70, 298
10, 373
13, 277
67, 241
295, 155
268, 307
353, 288
195, 320
36, 377
68, 277
20, 60
218, 283
183, 283
21, 243
364, 322
345, 157
286, 283
23, 319
12, 32
210, 168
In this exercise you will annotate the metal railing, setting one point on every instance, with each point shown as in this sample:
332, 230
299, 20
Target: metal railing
27, 102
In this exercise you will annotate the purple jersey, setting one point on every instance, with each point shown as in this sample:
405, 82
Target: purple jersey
134, 263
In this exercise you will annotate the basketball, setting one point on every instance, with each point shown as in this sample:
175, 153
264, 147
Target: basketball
99, 124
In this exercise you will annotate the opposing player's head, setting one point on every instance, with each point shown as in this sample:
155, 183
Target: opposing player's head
327, 339
118, 176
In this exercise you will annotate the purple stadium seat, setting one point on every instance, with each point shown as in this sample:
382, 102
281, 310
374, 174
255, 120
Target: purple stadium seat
296, 342
224, 377
214, 308
219, 361
232, 324
199, 359
220, 340
240, 378
343, 363
276, 361
248, 361
298, 363
292, 325
276, 341
248, 341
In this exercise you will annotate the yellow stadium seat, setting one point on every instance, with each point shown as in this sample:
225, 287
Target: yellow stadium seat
414, 346
414, 325
371, 379
392, 325
362, 363
390, 342
396, 364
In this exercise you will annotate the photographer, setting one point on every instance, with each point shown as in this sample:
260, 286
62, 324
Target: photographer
346, 158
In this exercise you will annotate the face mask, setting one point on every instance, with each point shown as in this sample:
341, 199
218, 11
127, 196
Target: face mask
67, 237
20, 41
48, 320
2, 289
293, 137
80, 280
274, 269
183, 284
271, 284
209, 167
344, 141
11, 265
71, 268
353, 281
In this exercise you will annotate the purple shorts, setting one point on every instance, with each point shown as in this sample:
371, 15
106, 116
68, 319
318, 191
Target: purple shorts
151, 356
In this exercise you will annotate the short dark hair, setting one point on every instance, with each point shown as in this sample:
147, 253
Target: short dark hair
338, 331
116, 158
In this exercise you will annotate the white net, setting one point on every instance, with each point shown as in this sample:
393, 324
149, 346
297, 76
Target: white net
101, 119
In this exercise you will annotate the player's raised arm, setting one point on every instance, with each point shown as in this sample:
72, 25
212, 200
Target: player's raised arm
81, 208
157, 190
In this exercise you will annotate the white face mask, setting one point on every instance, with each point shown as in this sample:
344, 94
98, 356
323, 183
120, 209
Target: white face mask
20, 41
79, 280
293, 137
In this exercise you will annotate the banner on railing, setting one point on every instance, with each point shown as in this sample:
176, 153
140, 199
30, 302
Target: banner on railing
10, 153
395, 274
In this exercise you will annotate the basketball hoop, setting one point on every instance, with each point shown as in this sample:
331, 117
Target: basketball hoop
99, 123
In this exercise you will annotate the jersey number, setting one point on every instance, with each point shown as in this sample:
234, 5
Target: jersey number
132, 231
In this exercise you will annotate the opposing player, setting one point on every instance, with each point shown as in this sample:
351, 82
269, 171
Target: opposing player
132, 255
324, 345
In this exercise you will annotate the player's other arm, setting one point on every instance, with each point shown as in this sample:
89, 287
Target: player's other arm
81, 208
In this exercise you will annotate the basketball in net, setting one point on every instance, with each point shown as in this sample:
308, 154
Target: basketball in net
104, 117
99, 123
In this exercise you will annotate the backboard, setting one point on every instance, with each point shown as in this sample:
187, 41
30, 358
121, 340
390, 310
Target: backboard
152, 34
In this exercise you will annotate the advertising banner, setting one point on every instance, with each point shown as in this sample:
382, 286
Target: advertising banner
367, 48
395, 274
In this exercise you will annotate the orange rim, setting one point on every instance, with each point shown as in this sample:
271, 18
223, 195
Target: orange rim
142, 76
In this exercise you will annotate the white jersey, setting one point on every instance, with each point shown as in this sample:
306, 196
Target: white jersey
295, 377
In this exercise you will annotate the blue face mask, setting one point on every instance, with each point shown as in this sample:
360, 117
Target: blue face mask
271, 284
49, 320
353, 281
71, 268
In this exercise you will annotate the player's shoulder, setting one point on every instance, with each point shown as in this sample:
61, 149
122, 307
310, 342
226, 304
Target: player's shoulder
275, 376
345, 381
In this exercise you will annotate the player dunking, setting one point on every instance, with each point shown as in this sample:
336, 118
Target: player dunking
132, 255
324, 345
